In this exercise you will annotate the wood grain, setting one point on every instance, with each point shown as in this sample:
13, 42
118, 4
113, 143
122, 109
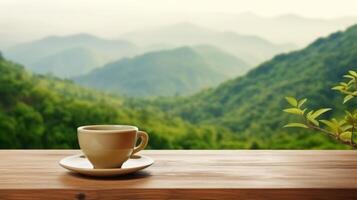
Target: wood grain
194, 174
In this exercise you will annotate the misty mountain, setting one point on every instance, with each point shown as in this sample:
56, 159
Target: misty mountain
250, 48
36, 54
69, 62
179, 71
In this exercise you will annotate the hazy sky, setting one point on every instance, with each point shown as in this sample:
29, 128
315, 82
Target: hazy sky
73, 8
27, 19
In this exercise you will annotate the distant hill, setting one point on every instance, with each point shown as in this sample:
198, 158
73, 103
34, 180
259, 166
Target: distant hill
251, 105
222, 61
252, 49
70, 62
59, 54
179, 71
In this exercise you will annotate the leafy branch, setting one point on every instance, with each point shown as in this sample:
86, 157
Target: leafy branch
348, 88
343, 130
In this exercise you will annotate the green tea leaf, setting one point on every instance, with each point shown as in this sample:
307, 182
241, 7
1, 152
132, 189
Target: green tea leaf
301, 102
347, 98
298, 125
294, 111
353, 73
292, 101
338, 87
351, 82
319, 112
343, 84
349, 76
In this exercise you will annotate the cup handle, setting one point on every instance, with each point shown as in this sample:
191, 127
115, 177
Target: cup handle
144, 141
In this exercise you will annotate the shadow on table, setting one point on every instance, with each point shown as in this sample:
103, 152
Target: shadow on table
136, 175
131, 180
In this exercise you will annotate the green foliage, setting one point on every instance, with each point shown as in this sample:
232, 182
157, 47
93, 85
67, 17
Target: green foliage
342, 130
292, 101
348, 88
296, 125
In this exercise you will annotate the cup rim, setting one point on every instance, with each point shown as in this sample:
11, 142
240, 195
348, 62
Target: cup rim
112, 128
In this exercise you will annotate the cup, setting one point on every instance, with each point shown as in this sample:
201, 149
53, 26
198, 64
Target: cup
109, 146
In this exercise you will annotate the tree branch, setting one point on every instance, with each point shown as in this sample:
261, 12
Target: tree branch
332, 135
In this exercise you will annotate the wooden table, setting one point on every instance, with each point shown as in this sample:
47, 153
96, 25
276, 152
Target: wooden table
197, 174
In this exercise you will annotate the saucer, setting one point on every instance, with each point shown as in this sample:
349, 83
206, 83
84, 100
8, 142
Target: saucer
80, 164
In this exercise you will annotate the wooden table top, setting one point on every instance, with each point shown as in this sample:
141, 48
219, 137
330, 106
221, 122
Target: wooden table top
180, 173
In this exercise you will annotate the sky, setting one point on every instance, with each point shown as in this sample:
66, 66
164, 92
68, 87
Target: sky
308, 8
22, 20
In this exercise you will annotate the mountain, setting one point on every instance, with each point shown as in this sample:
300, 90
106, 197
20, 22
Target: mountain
69, 62
251, 105
57, 54
251, 49
179, 71
40, 111
221, 61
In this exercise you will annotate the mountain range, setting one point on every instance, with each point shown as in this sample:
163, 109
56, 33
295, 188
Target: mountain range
283, 28
68, 56
75, 55
179, 71
251, 49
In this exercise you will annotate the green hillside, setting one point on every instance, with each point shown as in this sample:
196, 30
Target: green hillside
55, 54
39, 111
178, 71
251, 105
222, 61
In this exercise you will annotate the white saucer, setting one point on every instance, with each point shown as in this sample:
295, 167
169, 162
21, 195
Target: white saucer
80, 164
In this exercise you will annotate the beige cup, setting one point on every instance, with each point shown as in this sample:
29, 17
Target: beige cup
109, 146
